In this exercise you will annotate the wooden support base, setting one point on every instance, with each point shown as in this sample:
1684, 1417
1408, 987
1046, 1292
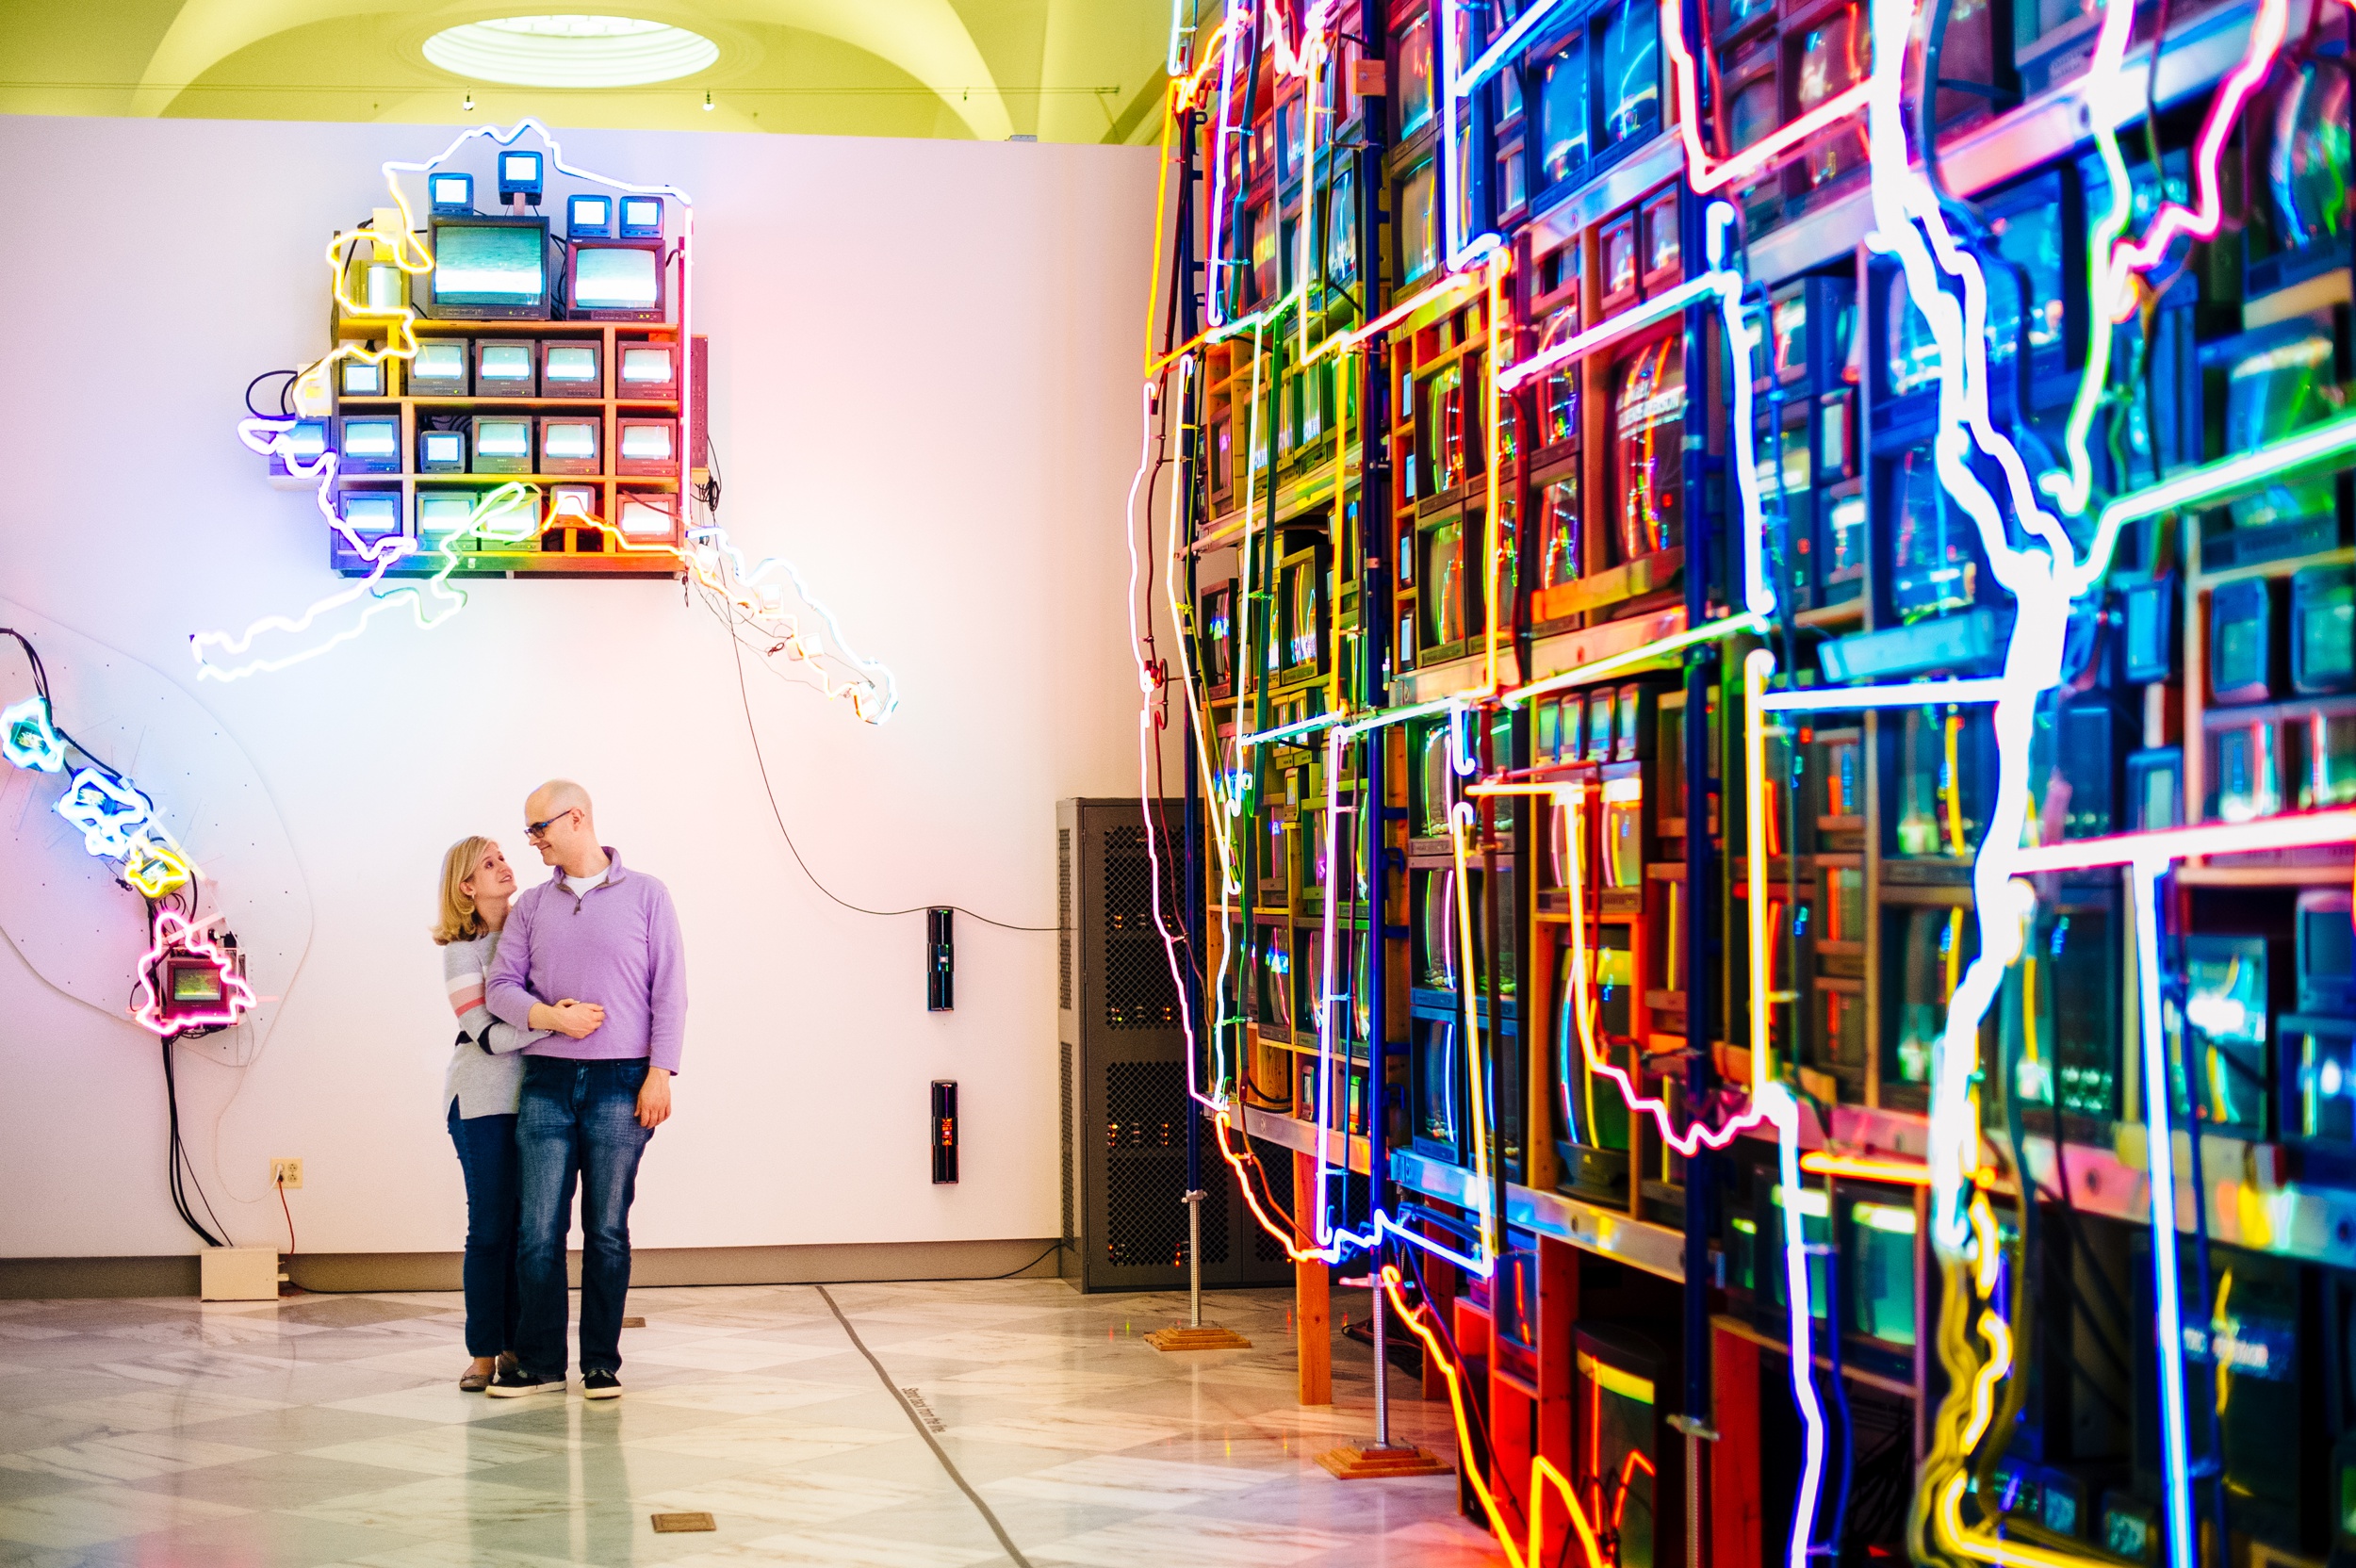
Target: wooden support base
1208, 1337
1374, 1465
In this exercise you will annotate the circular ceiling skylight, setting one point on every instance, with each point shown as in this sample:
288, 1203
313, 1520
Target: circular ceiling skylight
571, 51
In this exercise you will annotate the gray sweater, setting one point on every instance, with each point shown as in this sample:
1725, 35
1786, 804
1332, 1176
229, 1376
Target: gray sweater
487, 1074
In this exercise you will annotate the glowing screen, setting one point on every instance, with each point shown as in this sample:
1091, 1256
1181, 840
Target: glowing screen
488, 264
607, 277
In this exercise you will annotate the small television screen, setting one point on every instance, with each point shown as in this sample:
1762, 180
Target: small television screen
371, 445
502, 446
646, 517
649, 370
307, 440
444, 511
570, 370
2151, 630
1563, 133
2323, 629
1787, 321
2308, 173
2241, 642
450, 193
567, 444
491, 268
439, 369
642, 218
2321, 1051
2280, 380
648, 446
441, 451
589, 217
1934, 554
1602, 723
372, 511
2130, 1528
572, 500
503, 368
1754, 109
2245, 771
1627, 66
2155, 789
196, 981
617, 282
2226, 1073
519, 174
361, 378
1881, 1271
2028, 233
2326, 947
1912, 351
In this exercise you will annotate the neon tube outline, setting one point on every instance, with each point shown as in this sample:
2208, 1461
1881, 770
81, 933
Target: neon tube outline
237, 997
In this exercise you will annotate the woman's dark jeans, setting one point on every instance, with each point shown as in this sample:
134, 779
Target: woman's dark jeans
486, 1152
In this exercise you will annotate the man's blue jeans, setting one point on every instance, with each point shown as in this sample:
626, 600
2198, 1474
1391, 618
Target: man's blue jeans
578, 1119
486, 1152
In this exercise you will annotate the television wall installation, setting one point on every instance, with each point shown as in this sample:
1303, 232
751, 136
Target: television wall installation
997, 604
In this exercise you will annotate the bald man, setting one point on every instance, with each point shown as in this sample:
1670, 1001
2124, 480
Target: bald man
593, 956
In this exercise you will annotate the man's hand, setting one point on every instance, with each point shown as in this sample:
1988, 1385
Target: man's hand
571, 1019
654, 1099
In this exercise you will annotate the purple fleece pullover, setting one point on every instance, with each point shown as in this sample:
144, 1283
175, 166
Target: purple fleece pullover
616, 945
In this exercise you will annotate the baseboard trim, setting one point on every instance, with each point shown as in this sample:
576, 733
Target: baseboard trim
841, 1262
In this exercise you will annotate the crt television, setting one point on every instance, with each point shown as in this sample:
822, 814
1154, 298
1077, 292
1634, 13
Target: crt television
489, 270
615, 280
648, 371
572, 370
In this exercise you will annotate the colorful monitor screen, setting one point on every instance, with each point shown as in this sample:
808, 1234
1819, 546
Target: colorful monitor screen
371, 439
505, 361
490, 264
589, 217
502, 437
647, 367
616, 277
570, 438
373, 513
646, 442
569, 363
1628, 68
196, 982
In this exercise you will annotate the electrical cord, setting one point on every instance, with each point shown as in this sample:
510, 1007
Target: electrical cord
292, 376
769, 789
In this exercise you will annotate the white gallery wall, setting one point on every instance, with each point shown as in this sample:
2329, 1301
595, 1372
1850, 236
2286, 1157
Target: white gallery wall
924, 393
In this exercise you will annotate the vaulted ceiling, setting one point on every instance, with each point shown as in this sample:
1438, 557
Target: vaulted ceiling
1058, 70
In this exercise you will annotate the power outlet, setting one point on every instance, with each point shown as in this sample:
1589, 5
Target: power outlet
285, 1173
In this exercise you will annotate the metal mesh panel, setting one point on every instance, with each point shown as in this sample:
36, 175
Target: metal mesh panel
1145, 1106
1063, 918
1276, 1164
1069, 1228
1145, 1186
1145, 1213
1139, 990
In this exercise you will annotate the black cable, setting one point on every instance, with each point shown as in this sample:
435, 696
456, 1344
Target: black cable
1052, 1248
770, 789
176, 1155
292, 376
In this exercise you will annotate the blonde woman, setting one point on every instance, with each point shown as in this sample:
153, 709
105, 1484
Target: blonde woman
480, 1088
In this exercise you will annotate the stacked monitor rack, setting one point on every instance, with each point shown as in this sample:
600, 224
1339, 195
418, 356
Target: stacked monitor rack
528, 403
1468, 543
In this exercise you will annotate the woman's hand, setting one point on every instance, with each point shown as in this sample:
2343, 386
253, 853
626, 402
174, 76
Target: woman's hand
571, 1019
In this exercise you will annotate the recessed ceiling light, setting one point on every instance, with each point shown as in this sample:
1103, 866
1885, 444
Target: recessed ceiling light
572, 51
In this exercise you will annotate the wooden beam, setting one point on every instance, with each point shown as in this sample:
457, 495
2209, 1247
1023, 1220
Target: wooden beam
1313, 1287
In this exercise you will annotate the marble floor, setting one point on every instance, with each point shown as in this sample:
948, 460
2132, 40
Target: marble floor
328, 1429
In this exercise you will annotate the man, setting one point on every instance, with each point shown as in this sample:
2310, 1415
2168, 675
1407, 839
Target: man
592, 954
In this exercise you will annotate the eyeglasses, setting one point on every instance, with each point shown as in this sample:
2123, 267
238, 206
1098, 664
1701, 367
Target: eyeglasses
540, 829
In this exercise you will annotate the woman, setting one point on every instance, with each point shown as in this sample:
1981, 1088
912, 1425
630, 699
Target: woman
481, 1086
